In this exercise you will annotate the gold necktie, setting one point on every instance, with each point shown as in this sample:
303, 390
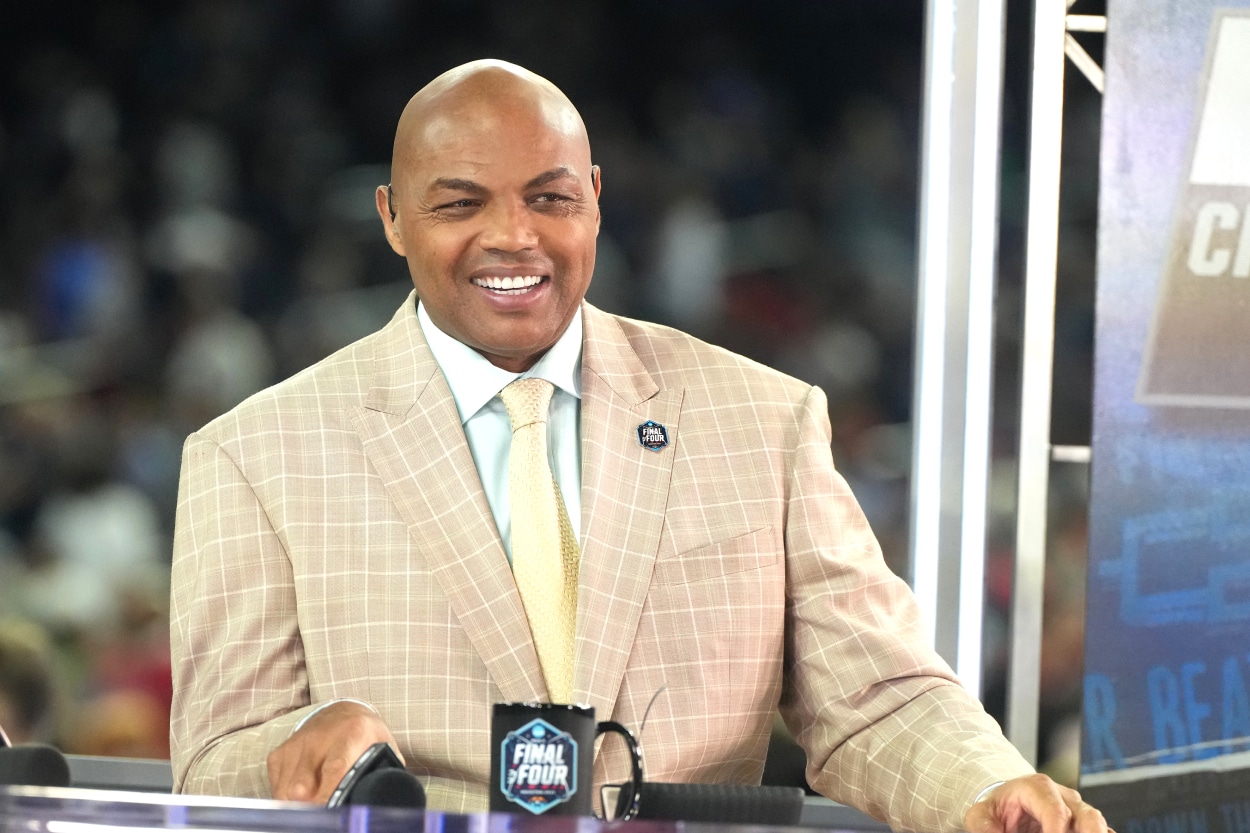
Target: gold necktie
544, 551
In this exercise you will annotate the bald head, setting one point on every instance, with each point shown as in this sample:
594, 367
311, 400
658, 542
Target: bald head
486, 95
494, 203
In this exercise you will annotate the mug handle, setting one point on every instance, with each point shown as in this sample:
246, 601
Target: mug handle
635, 760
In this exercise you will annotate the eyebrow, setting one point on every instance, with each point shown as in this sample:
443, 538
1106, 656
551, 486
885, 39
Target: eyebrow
453, 184
471, 187
550, 176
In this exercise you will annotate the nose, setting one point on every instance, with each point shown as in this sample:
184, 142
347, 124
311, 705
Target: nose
508, 227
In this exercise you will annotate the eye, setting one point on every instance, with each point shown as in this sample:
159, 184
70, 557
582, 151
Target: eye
456, 209
552, 201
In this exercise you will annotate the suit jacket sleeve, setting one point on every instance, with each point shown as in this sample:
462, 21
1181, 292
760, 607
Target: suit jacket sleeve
886, 725
240, 685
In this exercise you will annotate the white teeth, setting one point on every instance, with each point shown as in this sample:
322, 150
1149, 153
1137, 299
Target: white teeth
509, 283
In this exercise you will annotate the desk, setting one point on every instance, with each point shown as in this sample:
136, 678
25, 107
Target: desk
75, 810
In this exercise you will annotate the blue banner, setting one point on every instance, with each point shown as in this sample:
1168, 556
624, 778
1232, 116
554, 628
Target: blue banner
1167, 657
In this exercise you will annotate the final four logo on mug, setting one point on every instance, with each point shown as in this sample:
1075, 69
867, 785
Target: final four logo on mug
541, 758
538, 766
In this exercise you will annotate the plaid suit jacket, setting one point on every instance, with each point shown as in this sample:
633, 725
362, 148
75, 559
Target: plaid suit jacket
333, 540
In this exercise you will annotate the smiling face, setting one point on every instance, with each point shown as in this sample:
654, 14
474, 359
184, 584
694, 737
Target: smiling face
496, 209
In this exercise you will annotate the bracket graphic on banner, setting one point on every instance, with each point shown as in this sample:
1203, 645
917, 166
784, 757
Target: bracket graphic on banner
1199, 344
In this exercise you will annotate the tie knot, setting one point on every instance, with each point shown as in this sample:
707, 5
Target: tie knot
527, 401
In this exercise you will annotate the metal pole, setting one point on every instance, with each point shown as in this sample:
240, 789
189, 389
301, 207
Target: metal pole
1045, 145
954, 326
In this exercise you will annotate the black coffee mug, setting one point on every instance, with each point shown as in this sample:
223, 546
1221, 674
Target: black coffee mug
542, 759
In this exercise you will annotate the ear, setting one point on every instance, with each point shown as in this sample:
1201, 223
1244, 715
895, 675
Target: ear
596, 182
384, 200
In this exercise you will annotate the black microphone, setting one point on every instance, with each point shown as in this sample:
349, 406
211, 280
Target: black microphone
33, 765
388, 788
720, 803
378, 778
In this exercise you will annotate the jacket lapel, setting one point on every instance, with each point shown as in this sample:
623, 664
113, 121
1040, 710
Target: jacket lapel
624, 494
411, 434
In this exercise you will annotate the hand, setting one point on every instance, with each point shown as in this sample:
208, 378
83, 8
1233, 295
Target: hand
312, 762
1033, 804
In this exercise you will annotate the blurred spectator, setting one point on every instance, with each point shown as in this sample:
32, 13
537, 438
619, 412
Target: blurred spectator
334, 306
217, 362
124, 708
28, 696
93, 536
691, 256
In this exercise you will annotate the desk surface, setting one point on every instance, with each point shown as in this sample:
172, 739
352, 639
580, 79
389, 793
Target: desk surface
144, 776
73, 810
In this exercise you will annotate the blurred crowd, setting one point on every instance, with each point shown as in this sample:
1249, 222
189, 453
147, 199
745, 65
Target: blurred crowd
186, 216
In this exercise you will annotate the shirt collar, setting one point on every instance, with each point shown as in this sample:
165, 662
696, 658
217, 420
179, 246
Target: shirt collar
474, 381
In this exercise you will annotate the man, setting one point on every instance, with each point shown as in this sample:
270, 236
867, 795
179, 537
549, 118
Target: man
342, 572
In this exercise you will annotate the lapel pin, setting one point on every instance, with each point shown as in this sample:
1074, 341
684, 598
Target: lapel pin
652, 436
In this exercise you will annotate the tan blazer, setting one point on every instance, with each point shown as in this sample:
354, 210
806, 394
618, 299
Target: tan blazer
333, 540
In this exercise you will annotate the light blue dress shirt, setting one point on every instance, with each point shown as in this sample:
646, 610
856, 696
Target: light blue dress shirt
475, 385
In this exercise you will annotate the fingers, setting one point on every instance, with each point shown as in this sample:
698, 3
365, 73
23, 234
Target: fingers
309, 765
288, 781
294, 771
333, 768
1087, 818
1037, 803
1048, 803
1083, 817
298, 773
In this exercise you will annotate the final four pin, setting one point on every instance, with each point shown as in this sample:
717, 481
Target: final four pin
652, 435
